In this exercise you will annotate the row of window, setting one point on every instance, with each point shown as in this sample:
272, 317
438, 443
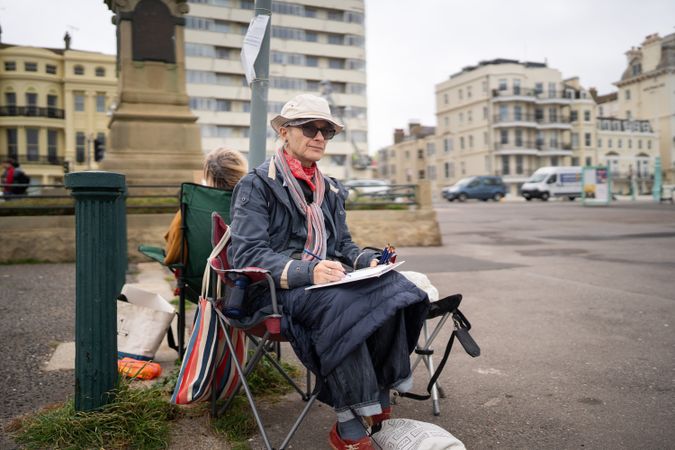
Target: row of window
218, 104
292, 9
574, 115
225, 131
286, 58
33, 152
466, 92
300, 59
519, 138
629, 143
520, 115
10, 66
625, 125
295, 84
31, 99
297, 34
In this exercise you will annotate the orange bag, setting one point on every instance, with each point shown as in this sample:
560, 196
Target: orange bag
143, 370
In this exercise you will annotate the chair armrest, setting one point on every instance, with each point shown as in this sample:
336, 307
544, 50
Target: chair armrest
155, 253
255, 274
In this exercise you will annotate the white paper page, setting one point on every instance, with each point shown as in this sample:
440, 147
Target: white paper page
361, 274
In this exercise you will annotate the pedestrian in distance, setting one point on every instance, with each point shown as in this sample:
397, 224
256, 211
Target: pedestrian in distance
290, 219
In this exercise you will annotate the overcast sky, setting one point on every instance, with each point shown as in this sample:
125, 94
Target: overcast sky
413, 45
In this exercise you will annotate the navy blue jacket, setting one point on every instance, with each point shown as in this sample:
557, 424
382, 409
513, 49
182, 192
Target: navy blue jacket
268, 229
323, 325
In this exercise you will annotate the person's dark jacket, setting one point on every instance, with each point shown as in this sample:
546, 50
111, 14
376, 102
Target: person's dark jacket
323, 325
268, 230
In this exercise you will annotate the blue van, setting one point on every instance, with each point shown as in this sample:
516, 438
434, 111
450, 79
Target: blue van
479, 187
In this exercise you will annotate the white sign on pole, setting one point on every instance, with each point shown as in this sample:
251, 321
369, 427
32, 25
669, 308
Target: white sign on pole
251, 46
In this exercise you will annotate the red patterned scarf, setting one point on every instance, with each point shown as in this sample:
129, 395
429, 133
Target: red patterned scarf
316, 228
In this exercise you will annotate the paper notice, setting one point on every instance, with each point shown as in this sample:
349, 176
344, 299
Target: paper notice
251, 46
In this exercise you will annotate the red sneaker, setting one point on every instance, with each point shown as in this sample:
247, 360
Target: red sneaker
375, 422
337, 443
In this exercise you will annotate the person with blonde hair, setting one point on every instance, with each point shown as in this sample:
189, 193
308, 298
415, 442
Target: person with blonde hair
223, 168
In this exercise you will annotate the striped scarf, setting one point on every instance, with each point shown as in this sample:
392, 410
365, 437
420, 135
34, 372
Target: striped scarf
316, 228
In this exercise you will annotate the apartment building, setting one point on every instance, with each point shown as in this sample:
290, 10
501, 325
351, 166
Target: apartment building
317, 46
509, 118
412, 156
646, 91
53, 107
628, 148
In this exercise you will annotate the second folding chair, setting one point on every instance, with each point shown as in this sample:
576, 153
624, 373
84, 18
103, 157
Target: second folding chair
197, 202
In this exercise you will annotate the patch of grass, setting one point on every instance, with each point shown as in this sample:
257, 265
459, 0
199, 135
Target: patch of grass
137, 418
23, 261
168, 383
266, 381
237, 423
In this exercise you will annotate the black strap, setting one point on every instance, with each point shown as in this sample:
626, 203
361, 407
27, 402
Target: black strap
461, 325
171, 340
436, 374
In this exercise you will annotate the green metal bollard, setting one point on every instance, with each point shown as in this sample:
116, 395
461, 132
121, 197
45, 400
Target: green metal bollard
122, 241
98, 228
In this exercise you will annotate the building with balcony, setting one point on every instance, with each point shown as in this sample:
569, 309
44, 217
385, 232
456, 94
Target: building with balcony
317, 46
507, 118
53, 106
628, 148
646, 91
411, 158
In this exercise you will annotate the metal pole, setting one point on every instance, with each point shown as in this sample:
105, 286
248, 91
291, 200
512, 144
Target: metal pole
259, 88
98, 228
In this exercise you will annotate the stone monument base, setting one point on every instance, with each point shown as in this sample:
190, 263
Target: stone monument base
149, 152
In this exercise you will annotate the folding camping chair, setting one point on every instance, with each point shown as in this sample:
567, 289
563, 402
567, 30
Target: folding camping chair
197, 202
444, 308
264, 331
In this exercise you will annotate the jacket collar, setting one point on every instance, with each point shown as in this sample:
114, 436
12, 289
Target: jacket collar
269, 174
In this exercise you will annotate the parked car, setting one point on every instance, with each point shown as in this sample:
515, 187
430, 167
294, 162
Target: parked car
549, 182
368, 187
479, 187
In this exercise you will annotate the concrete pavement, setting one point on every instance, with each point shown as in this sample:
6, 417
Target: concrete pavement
574, 309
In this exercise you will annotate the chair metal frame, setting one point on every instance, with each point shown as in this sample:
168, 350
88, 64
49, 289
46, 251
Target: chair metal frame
445, 309
266, 331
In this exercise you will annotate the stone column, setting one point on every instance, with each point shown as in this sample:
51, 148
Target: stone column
154, 137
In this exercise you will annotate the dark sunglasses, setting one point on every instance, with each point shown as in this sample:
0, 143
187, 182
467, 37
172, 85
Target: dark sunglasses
309, 130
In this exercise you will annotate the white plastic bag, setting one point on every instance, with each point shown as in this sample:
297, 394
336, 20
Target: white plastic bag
142, 323
407, 434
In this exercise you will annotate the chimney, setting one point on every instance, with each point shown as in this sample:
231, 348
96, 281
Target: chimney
399, 135
414, 128
594, 94
66, 40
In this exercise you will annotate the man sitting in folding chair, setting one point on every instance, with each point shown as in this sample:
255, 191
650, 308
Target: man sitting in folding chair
289, 219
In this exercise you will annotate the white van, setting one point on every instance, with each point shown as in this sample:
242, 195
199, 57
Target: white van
549, 182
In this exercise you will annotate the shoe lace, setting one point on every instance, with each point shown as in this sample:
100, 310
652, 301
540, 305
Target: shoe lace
353, 446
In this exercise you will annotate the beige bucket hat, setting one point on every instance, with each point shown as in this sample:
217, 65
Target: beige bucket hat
305, 106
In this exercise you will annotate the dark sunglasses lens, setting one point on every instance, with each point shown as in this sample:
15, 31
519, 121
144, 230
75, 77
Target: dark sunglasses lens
310, 130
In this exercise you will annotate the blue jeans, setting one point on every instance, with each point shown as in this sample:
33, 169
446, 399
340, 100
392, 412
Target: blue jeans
381, 363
